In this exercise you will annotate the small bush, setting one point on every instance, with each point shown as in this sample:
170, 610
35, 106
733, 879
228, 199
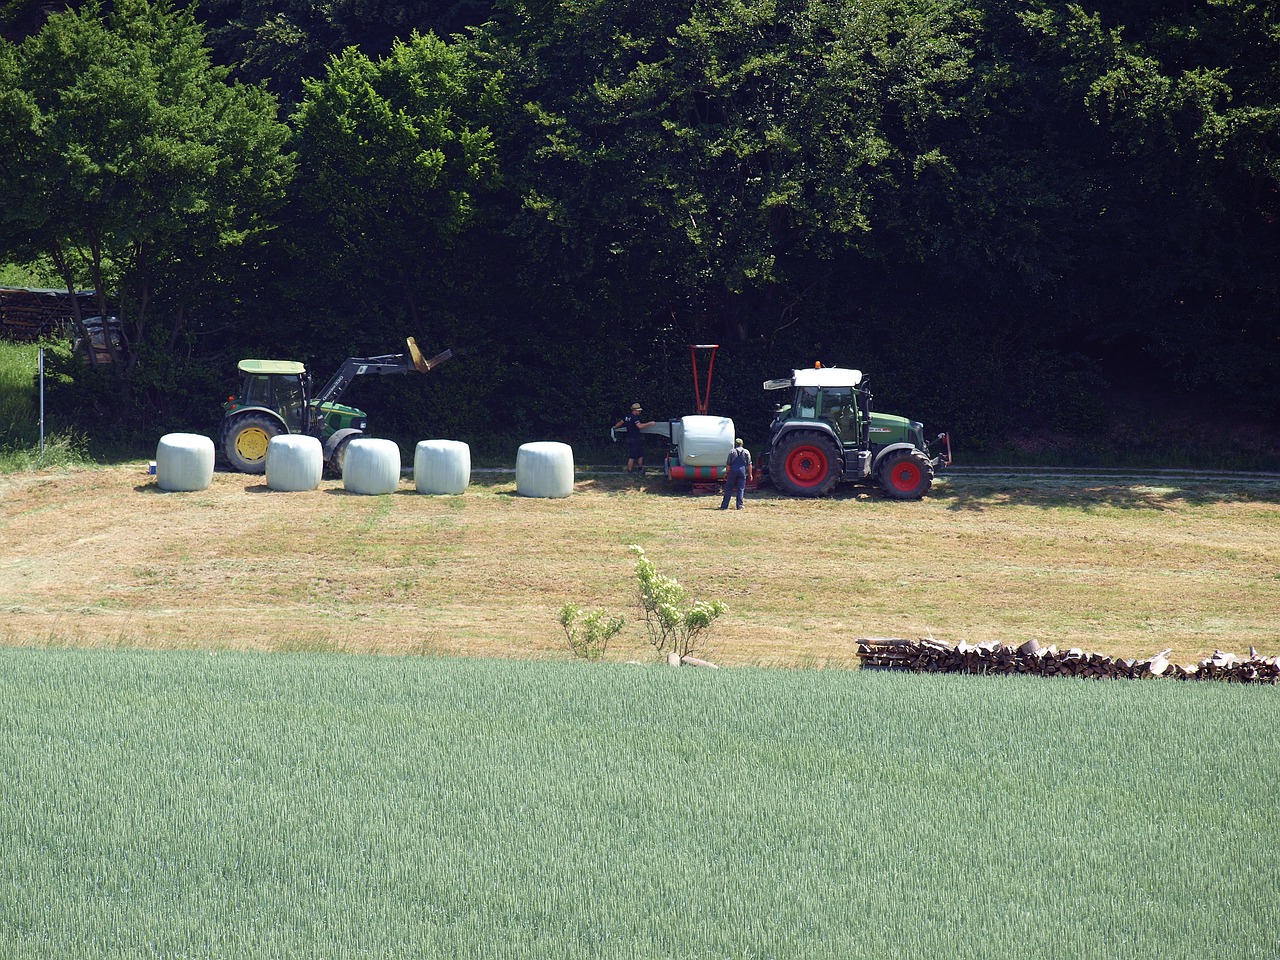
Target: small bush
588, 633
674, 623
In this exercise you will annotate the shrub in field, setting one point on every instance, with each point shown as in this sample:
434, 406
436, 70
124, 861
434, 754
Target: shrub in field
588, 633
674, 623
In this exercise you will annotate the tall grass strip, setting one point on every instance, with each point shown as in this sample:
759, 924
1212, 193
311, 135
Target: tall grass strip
319, 806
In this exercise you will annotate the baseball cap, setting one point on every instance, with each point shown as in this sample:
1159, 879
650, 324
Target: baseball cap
636, 406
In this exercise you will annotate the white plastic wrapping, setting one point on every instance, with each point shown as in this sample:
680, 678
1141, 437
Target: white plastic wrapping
371, 466
294, 462
184, 461
442, 466
544, 469
705, 441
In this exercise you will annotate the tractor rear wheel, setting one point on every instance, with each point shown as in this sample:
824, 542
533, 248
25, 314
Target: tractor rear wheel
245, 441
906, 475
805, 463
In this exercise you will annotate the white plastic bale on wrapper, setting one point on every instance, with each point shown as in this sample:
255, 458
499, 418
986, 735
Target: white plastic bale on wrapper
184, 461
371, 466
442, 466
294, 462
544, 469
705, 441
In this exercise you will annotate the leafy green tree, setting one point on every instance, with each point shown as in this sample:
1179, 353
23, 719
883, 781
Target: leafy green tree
1178, 247
135, 166
280, 43
711, 156
393, 156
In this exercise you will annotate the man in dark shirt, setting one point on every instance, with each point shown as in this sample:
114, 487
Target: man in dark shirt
634, 422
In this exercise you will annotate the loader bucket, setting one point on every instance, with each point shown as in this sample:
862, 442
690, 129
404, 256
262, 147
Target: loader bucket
426, 366
419, 364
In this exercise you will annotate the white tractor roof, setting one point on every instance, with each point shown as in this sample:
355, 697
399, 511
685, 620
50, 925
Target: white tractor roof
818, 377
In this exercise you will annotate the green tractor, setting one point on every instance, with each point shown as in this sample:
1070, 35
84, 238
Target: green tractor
275, 398
828, 434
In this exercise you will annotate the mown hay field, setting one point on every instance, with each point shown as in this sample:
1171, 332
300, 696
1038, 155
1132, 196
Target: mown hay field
1128, 567
241, 805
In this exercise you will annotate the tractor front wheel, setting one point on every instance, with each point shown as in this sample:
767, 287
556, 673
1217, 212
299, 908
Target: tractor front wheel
245, 442
805, 463
906, 475
339, 456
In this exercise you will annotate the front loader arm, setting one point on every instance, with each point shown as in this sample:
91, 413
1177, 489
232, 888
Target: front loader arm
354, 367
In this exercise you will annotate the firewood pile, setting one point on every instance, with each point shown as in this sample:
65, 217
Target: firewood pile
934, 656
27, 313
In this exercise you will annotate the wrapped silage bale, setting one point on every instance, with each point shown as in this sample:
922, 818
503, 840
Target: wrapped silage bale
184, 461
371, 466
294, 462
544, 469
705, 441
441, 466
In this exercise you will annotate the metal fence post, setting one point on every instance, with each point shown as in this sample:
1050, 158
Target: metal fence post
40, 354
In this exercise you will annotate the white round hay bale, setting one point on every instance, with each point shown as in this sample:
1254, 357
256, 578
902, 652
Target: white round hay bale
705, 441
371, 466
294, 462
544, 469
442, 466
184, 461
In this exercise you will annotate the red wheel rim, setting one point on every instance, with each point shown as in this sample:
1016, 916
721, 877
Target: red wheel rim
905, 475
807, 466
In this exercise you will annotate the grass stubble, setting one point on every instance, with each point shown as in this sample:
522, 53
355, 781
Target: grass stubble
102, 557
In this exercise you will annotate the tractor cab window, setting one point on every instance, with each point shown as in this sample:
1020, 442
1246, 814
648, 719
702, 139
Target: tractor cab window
807, 402
257, 391
277, 392
838, 407
289, 401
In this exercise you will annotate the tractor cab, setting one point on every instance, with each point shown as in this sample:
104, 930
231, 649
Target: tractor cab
275, 385
831, 395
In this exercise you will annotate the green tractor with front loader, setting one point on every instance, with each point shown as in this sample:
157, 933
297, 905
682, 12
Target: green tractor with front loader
276, 398
828, 434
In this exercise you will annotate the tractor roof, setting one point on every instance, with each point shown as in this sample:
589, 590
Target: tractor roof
818, 377
289, 367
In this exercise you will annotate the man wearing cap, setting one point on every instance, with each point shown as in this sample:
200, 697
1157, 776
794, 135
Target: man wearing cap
739, 465
634, 422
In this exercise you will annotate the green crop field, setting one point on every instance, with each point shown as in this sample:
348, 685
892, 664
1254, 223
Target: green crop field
188, 804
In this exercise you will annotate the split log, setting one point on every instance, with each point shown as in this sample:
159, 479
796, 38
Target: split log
929, 655
687, 661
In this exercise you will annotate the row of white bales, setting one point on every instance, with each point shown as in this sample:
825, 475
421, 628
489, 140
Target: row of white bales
184, 462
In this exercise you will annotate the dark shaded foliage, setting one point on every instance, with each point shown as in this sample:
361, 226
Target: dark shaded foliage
1007, 213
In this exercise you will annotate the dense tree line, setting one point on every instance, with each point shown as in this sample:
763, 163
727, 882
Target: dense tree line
1005, 210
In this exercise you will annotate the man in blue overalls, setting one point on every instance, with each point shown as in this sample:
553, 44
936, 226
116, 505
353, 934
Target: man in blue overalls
739, 465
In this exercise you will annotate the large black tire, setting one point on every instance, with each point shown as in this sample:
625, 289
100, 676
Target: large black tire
906, 475
805, 463
245, 441
334, 466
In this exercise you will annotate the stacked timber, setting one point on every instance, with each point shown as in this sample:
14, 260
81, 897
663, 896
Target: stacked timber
27, 313
934, 656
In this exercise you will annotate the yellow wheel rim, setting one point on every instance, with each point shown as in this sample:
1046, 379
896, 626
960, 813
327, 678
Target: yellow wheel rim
251, 444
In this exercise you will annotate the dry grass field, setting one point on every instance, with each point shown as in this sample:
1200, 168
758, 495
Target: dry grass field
103, 558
